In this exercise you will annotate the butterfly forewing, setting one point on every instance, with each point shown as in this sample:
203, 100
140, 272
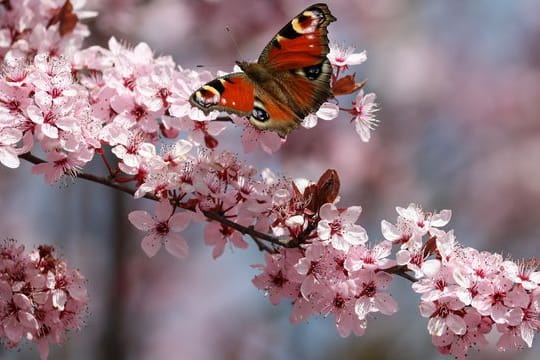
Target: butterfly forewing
302, 42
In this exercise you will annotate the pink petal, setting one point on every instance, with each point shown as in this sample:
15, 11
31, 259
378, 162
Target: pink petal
527, 334
351, 214
356, 58
328, 212
307, 286
9, 158
163, 210
442, 218
219, 248
514, 317
22, 301
390, 231
141, 219
383, 280
386, 303
13, 330
270, 142
328, 111
436, 326
49, 131
310, 121
176, 245
151, 244
403, 257
59, 298
431, 267
179, 221
362, 307
10, 136
456, 324
238, 241
27, 320
43, 347
35, 114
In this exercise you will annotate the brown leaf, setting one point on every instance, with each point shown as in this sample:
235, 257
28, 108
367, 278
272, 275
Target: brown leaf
347, 85
66, 18
328, 187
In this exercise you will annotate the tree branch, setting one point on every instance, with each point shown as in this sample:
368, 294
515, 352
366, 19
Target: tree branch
107, 181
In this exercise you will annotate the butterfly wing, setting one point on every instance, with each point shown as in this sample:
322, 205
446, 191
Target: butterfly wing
303, 42
296, 59
237, 93
232, 93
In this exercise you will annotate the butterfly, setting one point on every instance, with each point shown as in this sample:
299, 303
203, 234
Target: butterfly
290, 80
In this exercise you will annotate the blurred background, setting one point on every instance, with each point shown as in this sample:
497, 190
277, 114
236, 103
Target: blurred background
459, 88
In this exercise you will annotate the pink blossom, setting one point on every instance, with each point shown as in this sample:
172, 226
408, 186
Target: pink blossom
337, 226
58, 165
218, 235
339, 300
500, 300
369, 297
459, 345
253, 138
412, 224
364, 114
414, 258
443, 314
313, 269
327, 111
161, 229
200, 132
40, 296
516, 336
276, 279
361, 257
343, 56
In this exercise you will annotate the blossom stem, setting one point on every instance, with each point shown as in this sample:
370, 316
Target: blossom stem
105, 161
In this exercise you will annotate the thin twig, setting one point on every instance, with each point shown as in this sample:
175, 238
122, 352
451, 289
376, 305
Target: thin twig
400, 270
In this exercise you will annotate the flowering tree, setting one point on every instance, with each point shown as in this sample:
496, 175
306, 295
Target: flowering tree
63, 106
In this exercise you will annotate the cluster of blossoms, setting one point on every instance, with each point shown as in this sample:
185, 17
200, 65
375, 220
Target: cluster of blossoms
329, 269
466, 294
40, 296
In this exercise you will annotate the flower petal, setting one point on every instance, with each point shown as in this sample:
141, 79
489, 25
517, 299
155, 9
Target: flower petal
151, 244
141, 219
176, 245
179, 221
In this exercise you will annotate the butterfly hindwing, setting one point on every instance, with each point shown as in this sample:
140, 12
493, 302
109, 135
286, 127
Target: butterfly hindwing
232, 93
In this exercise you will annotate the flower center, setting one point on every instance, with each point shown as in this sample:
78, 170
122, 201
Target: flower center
162, 228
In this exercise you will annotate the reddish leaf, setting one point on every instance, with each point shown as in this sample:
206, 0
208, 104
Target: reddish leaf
66, 18
347, 85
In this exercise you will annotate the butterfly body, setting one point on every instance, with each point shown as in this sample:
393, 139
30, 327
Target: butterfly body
290, 79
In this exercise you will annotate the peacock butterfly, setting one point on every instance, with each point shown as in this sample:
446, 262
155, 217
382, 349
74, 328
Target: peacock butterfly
290, 80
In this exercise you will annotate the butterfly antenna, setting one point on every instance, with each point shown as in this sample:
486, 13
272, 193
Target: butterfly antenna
231, 35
